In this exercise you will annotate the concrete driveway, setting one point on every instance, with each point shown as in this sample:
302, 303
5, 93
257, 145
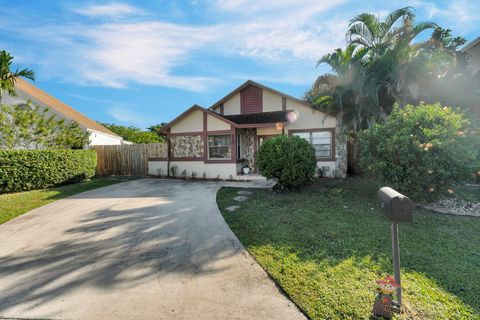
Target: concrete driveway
144, 249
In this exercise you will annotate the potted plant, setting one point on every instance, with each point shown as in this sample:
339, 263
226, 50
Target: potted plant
245, 167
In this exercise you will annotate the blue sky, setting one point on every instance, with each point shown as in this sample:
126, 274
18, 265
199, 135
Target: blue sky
144, 62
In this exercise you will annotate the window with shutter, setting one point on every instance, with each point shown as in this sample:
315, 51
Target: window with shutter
251, 100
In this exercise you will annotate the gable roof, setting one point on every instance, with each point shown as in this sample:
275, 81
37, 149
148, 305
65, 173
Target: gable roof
59, 107
193, 108
256, 84
470, 45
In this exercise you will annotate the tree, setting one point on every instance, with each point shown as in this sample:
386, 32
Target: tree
373, 71
7, 76
134, 134
428, 149
25, 127
156, 129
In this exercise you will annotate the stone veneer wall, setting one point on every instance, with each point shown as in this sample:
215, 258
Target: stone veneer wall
247, 140
186, 146
340, 149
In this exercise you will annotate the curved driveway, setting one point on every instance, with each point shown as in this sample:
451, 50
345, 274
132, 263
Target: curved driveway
144, 249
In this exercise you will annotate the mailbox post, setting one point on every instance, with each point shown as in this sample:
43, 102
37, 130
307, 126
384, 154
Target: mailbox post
397, 208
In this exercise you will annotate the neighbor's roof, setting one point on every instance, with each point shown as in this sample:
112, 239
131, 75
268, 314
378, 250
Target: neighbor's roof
258, 85
470, 45
262, 117
59, 107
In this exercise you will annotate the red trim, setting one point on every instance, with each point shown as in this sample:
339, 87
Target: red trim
221, 161
192, 108
193, 133
218, 132
187, 159
259, 125
205, 137
158, 159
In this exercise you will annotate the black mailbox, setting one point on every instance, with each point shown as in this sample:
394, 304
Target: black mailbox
396, 206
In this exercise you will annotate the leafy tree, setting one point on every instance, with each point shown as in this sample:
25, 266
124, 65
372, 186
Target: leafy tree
428, 150
7, 76
371, 70
156, 129
134, 134
25, 127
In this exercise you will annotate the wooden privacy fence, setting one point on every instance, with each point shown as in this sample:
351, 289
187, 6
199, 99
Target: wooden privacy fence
127, 159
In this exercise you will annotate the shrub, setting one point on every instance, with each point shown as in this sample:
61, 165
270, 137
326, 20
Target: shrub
22, 170
421, 151
288, 159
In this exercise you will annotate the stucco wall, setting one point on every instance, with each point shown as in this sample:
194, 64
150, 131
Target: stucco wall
473, 59
268, 131
100, 138
192, 122
232, 105
271, 101
307, 118
212, 170
214, 124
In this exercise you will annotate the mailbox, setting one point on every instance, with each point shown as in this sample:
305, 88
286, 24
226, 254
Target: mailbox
396, 206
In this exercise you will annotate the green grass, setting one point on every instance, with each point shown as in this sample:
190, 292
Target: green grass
14, 204
326, 246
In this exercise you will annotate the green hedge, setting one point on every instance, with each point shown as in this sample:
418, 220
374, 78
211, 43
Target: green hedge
22, 170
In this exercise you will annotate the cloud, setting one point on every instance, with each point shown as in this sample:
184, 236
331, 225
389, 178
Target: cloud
142, 49
113, 10
460, 15
125, 115
279, 30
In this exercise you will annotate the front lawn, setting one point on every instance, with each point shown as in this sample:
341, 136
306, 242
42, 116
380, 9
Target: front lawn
326, 246
14, 204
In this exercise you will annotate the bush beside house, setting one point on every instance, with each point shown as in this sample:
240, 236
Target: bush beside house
421, 151
288, 159
22, 170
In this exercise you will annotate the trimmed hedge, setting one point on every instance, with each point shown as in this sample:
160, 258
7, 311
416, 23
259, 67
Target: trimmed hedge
289, 159
22, 170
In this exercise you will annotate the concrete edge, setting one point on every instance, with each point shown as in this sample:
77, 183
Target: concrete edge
245, 251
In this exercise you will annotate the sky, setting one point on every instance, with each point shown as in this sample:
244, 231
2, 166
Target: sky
140, 63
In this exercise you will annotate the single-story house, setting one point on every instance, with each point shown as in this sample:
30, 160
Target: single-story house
217, 141
99, 135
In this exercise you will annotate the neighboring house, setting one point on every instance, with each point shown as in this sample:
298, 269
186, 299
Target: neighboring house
99, 135
472, 51
217, 141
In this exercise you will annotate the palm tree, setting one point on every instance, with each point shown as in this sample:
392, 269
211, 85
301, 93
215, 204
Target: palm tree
378, 36
8, 77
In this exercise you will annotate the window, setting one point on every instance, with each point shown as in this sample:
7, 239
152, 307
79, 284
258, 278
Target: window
321, 141
219, 147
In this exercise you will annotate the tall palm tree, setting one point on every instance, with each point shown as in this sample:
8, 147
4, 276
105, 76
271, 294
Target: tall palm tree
398, 29
8, 77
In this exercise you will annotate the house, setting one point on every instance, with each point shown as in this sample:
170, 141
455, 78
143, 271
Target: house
472, 51
99, 135
217, 141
